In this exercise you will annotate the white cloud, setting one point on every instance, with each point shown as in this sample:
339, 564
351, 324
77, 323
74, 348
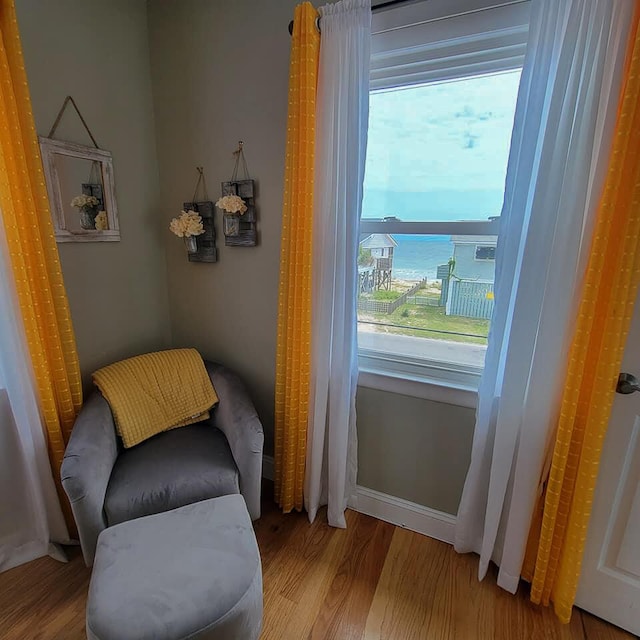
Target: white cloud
452, 135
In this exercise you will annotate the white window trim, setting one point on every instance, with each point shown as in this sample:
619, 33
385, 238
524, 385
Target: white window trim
418, 387
424, 42
430, 380
455, 228
445, 39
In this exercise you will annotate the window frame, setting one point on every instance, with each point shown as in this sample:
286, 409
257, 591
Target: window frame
421, 43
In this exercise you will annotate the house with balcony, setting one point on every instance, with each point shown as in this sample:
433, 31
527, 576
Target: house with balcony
375, 262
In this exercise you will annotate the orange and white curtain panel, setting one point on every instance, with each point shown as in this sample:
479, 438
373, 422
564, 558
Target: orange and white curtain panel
555, 228
609, 295
33, 254
293, 359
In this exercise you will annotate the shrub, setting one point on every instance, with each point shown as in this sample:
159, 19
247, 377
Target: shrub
364, 257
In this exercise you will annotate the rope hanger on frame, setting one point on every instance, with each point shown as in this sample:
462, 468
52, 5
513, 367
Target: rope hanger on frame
65, 104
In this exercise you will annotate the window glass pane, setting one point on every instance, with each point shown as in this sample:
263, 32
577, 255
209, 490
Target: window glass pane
425, 296
485, 252
438, 152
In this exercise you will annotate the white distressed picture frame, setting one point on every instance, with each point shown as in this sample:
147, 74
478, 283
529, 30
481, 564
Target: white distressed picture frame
49, 149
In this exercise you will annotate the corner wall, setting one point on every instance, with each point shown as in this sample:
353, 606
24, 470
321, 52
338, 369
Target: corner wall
220, 74
98, 52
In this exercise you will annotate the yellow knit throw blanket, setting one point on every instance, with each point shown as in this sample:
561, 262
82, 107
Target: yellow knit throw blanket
155, 392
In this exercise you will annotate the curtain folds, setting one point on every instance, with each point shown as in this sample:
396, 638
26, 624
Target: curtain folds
316, 368
31, 515
293, 356
33, 253
562, 135
610, 292
341, 138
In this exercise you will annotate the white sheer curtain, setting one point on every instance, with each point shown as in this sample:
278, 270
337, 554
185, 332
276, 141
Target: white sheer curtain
30, 514
341, 139
559, 153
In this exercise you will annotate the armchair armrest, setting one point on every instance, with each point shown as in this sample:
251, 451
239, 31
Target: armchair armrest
236, 417
86, 468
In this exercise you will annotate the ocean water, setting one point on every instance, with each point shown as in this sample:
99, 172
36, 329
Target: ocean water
440, 205
417, 257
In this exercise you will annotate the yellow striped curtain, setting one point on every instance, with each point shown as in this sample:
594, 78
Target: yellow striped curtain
294, 303
33, 252
610, 291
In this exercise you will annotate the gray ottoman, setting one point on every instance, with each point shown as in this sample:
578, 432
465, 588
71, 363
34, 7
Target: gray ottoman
193, 572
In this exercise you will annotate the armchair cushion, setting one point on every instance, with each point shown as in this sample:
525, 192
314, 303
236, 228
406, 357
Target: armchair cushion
170, 470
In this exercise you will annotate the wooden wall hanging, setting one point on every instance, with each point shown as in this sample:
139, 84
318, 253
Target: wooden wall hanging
206, 242
80, 185
240, 230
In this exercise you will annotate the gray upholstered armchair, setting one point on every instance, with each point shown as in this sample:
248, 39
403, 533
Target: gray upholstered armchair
108, 484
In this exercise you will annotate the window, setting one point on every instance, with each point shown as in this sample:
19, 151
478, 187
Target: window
441, 115
485, 252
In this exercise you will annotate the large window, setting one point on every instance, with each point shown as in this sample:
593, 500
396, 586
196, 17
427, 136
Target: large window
438, 147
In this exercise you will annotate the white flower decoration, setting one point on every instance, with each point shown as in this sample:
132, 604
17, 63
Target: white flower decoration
187, 224
83, 201
101, 222
232, 204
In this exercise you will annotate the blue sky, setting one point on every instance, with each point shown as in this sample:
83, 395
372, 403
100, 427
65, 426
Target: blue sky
447, 137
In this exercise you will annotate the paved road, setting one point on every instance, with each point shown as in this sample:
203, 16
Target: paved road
441, 350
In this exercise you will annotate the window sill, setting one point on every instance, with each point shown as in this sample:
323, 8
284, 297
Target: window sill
429, 381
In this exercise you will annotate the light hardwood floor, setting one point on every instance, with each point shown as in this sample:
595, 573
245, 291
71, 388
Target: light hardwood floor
371, 581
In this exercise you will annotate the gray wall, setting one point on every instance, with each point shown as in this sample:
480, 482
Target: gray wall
220, 74
97, 51
412, 448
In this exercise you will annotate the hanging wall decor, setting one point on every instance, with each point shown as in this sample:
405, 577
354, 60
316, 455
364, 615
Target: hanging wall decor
81, 187
238, 205
188, 226
201, 246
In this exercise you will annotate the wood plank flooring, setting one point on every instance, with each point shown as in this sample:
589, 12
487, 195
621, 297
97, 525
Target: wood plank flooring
372, 581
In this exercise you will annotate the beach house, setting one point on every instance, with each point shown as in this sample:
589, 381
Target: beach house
467, 288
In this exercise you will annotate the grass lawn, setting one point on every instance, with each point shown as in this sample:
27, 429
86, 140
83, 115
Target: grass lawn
384, 296
430, 318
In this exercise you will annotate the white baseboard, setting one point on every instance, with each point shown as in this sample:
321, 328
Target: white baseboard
403, 513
